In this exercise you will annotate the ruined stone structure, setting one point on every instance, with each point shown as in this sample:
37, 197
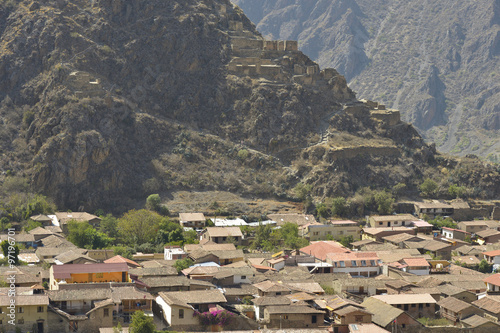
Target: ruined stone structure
84, 85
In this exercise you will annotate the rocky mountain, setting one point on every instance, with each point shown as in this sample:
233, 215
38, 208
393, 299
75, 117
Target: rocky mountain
107, 101
436, 60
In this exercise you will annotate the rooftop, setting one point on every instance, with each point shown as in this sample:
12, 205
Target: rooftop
322, 248
453, 304
401, 217
188, 217
224, 232
65, 271
406, 298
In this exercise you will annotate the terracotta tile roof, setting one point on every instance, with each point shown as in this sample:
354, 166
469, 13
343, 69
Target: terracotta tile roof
64, 271
492, 253
118, 259
322, 248
493, 279
421, 262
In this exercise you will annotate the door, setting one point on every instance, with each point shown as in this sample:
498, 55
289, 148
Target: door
39, 327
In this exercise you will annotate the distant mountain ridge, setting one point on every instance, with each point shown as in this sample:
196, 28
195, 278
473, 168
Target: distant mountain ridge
437, 61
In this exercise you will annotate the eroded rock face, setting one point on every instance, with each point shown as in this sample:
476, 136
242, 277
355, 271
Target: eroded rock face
435, 61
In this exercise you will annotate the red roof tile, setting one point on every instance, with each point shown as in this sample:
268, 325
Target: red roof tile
321, 249
493, 279
118, 259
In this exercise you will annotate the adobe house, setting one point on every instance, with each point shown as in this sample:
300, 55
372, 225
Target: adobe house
192, 220
292, 316
223, 235
455, 310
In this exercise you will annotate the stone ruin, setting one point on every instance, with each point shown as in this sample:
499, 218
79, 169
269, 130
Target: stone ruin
84, 85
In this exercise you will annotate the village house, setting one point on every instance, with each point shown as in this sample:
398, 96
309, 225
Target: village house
472, 226
416, 305
385, 221
292, 316
357, 264
43, 219
223, 235
451, 233
389, 317
422, 227
227, 276
192, 220
488, 236
320, 249
490, 306
261, 303
377, 234
31, 310
73, 257
178, 308
334, 229
358, 245
270, 288
480, 324
87, 273
63, 218
120, 259
298, 219
399, 239
433, 209
417, 266
448, 290
492, 257
174, 253
350, 315
456, 310
493, 284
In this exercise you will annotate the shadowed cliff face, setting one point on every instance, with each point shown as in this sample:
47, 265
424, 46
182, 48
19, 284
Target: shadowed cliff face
105, 102
436, 61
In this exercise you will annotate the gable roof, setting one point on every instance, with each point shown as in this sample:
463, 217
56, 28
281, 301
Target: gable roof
351, 309
493, 279
299, 219
487, 233
322, 248
421, 262
383, 313
65, 217
285, 309
475, 321
69, 256
453, 304
399, 217
187, 217
224, 232
489, 304
271, 300
269, 286
118, 259
492, 253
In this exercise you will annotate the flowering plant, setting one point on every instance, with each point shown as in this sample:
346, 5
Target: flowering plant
217, 317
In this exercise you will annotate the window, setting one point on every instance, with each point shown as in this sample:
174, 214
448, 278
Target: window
20, 321
358, 319
413, 305
406, 307
380, 223
243, 277
335, 263
181, 313
278, 293
427, 305
420, 306
372, 262
39, 309
342, 264
363, 262
285, 317
398, 306
1, 310
353, 263
106, 313
314, 319
316, 233
403, 223
20, 309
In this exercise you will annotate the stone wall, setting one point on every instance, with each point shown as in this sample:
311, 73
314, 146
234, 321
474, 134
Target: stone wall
388, 117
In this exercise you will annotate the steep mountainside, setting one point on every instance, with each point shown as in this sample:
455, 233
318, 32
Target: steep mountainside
105, 102
436, 60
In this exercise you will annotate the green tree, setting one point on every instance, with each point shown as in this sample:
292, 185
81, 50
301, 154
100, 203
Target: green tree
153, 202
346, 240
139, 226
85, 236
384, 201
14, 251
109, 226
429, 187
181, 264
141, 323
339, 206
289, 233
302, 190
456, 191
322, 210
398, 189
30, 225
484, 267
